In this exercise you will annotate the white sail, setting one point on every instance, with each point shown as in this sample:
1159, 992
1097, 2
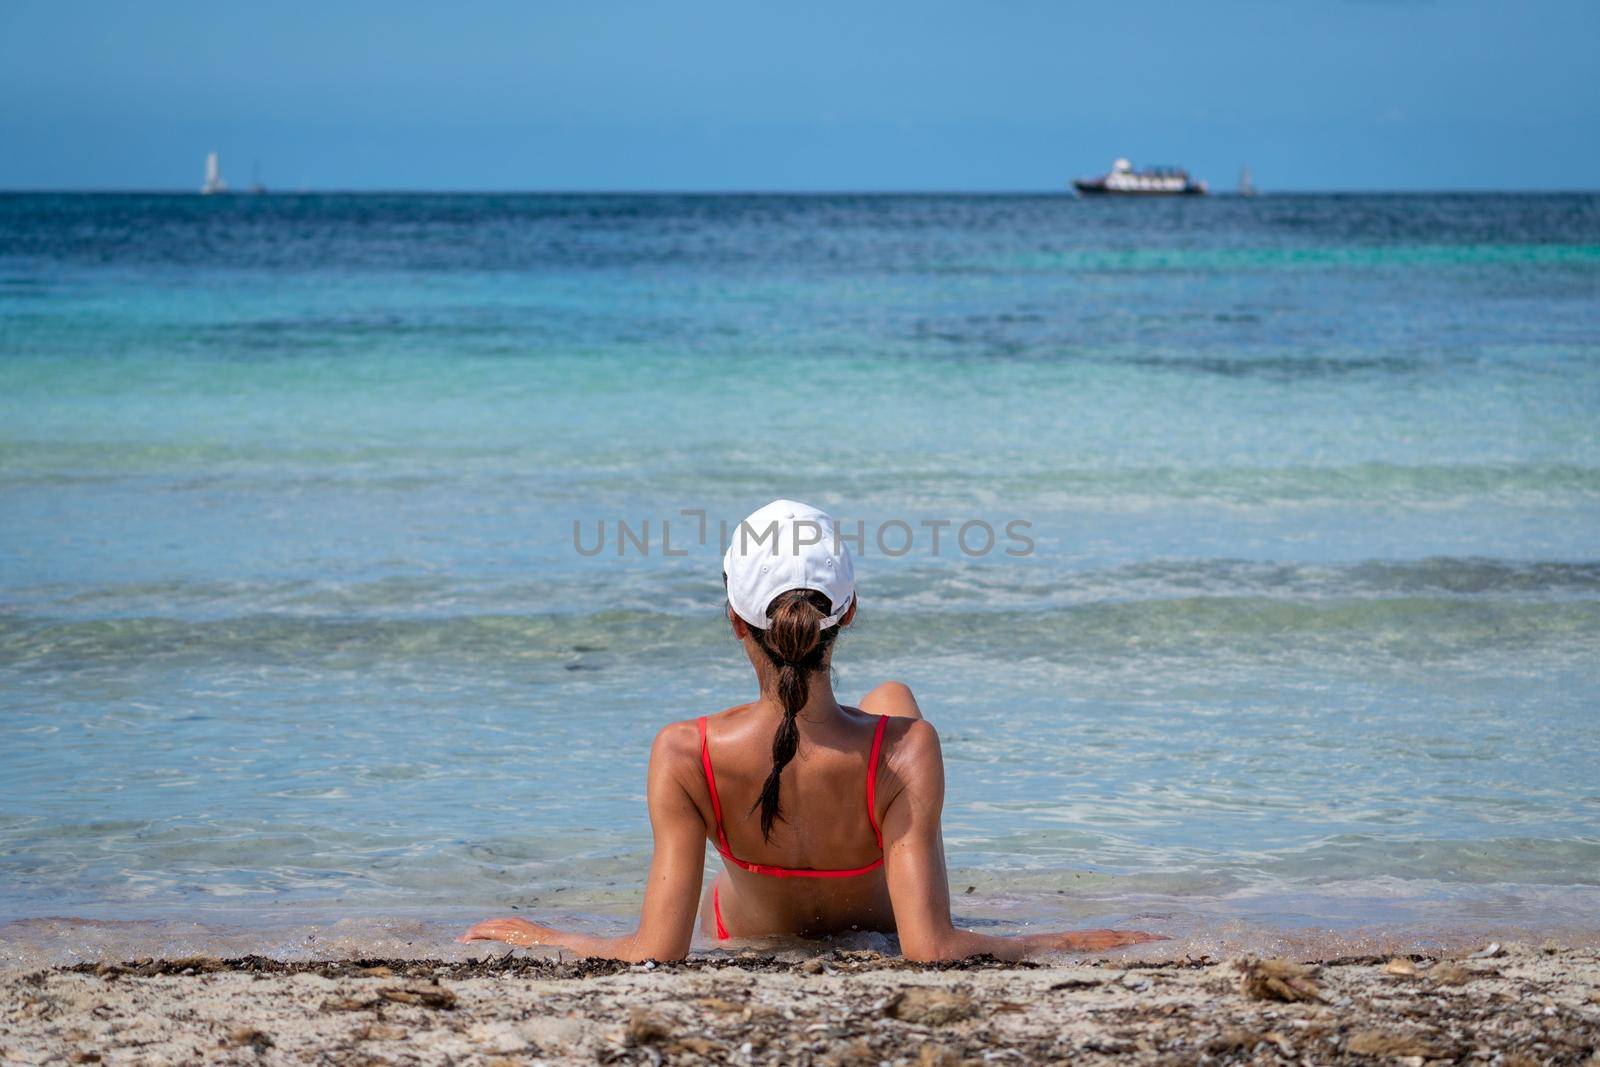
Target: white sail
214, 180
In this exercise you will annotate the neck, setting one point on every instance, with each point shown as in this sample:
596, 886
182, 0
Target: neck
820, 701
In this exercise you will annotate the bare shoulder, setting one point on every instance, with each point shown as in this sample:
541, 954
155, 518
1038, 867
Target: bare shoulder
675, 779
914, 765
913, 742
911, 777
677, 743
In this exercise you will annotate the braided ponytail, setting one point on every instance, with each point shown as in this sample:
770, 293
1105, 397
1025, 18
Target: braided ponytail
796, 645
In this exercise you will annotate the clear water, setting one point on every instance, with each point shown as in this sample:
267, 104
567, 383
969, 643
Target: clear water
292, 623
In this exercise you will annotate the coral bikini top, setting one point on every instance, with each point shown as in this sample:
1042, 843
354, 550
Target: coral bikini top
799, 872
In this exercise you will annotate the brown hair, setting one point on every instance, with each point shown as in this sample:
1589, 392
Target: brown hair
796, 645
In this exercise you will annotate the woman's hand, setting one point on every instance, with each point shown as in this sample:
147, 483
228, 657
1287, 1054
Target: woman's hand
512, 932
1094, 940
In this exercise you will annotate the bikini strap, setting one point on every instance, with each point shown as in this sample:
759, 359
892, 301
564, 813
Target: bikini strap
872, 779
711, 782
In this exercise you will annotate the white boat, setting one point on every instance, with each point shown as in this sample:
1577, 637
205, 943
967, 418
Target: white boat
1247, 185
214, 181
1152, 181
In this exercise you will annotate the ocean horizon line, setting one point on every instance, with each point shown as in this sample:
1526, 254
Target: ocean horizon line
1061, 193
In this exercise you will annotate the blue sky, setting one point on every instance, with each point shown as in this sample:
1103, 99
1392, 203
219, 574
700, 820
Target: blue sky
991, 95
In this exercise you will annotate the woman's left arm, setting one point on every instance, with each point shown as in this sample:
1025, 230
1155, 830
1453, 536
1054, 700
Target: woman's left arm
919, 889
672, 893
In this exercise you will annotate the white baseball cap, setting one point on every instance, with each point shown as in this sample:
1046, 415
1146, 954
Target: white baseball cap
787, 545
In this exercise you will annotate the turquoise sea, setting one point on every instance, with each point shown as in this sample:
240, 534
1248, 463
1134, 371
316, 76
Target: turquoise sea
294, 629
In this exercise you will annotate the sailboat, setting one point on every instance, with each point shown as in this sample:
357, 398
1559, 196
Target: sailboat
1247, 187
214, 181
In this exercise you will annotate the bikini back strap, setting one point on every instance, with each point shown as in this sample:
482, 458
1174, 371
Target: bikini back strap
801, 872
872, 780
797, 872
711, 783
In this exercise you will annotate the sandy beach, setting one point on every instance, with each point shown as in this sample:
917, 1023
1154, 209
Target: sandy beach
1506, 1004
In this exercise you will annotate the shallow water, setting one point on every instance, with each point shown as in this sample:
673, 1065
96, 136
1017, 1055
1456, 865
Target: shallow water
293, 626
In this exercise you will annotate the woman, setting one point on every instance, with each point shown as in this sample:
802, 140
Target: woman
826, 816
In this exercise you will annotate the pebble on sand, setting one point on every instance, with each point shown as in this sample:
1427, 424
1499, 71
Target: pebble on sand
1390, 1045
1448, 973
645, 1027
249, 1035
1276, 980
930, 1007
427, 996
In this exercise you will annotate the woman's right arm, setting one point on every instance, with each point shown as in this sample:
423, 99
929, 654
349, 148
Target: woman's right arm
919, 887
